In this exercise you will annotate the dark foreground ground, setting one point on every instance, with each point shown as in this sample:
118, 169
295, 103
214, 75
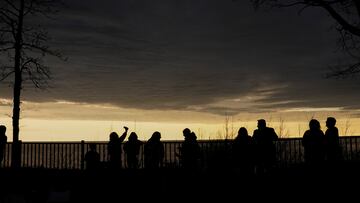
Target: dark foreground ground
173, 185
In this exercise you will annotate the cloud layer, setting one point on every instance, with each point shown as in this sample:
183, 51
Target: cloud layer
210, 56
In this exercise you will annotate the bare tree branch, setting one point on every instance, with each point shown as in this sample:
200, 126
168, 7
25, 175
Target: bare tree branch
346, 14
10, 12
42, 49
37, 73
6, 49
6, 75
5, 30
4, 14
45, 8
11, 5
344, 71
346, 25
327, 5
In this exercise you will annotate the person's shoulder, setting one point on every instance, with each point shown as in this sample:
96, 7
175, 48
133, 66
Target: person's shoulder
307, 133
332, 130
270, 128
256, 134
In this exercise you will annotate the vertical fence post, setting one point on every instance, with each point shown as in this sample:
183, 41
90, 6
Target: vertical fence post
82, 154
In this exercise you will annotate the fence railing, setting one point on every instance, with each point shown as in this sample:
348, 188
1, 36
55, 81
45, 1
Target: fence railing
70, 155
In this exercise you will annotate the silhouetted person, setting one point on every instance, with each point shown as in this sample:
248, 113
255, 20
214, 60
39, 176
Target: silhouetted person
265, 151
313, 142
115, 149
92, 158
3, 141
154, 151
242, 152
132, 149
332, 145
190, 150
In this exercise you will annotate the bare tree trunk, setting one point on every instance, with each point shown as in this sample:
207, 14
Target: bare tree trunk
16, 106
17, 88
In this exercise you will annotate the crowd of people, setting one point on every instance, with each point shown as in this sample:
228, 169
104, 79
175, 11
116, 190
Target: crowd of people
153, 150
256, 152
248, 153
259, 152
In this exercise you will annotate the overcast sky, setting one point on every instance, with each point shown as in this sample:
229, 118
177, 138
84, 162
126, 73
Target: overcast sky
215, 56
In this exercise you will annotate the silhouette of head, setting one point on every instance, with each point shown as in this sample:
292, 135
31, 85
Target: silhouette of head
2, 129
186, 132
92, 146
113, 136
261, 124
156, 136
192, 136
314, 124
133, 136
330, 122
243, 132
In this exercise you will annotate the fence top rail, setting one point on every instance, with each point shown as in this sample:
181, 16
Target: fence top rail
164, 141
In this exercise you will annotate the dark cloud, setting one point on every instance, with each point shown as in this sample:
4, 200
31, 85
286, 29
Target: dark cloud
177, 54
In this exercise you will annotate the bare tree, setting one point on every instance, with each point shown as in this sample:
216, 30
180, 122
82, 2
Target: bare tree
226, 127
346, 14
200, 134
347, 127
229, 127
299, 130
283, 132
24, 46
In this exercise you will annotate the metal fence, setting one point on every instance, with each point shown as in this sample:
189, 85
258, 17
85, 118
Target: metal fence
70, 155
